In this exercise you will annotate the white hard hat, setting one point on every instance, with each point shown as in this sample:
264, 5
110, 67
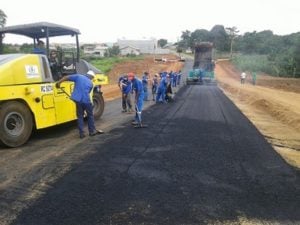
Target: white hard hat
91, 73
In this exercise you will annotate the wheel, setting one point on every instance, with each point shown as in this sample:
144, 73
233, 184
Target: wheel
98, 103
16, 123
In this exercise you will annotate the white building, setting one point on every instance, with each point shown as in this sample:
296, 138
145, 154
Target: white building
145, 46
95, 49
129, 50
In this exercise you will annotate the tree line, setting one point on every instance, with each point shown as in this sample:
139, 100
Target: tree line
281, 53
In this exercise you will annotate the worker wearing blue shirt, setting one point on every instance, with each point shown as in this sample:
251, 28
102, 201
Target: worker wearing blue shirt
120, 84
137, 88
154, 86
145, 79
179, 77
125, 86
81, 97
174, 82
40, 48
161, 91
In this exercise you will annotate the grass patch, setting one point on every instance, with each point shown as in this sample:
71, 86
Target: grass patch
106, 64
254, 63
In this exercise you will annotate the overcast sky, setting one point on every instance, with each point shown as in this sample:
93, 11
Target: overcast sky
109, 20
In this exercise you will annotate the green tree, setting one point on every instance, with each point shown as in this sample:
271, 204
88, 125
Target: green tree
220, 38
10, 48
264, 40
162, 42
2, 24
249, 43
296, 57
113, 51
26, 48
2, 18
185, 41
198, 36
232, 33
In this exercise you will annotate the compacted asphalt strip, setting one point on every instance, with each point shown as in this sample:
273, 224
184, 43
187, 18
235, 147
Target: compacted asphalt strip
200, 161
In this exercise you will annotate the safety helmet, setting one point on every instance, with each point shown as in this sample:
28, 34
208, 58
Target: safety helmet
91, 73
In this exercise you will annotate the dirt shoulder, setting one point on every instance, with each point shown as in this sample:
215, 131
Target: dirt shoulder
272, 105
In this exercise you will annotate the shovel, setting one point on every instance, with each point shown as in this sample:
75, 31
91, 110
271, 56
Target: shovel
139, 116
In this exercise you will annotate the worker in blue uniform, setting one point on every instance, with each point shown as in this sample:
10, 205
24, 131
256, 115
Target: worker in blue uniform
145, 80
40, 48
120, 82
125, 86
161, 91
179, 77
154, 86
137, 88
174, 82
81, 97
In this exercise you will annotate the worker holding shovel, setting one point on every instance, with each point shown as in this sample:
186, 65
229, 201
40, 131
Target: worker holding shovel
137, 87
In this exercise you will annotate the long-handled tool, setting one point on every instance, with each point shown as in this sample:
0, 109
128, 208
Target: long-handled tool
139, 117
62, 89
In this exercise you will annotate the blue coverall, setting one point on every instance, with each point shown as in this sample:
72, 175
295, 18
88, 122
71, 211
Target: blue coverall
145, 86
81, 97
126, 89
137, 87
161, 91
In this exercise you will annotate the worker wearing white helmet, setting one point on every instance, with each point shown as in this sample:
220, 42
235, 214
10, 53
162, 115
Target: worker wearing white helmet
81, 97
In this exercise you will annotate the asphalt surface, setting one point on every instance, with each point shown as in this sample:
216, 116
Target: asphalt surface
200, 161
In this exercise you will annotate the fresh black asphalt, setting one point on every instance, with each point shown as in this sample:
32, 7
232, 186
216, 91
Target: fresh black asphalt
200, 161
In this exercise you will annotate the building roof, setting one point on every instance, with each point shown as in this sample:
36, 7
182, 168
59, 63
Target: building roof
145, 46
128, 46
